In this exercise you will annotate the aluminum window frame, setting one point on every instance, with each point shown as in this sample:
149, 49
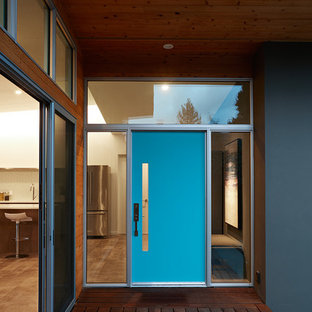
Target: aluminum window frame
55, 19
11, 30
9, 70
57, 109
60, 23
5, 26
209, 129
252, 205
13, 9
16, 76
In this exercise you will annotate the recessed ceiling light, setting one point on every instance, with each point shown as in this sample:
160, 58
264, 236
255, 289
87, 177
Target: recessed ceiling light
165, 87
168, 46
18, 92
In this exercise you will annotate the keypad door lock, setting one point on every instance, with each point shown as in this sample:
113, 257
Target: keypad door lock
136, 218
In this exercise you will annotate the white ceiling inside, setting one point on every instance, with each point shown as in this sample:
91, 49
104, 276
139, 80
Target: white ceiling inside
11, 102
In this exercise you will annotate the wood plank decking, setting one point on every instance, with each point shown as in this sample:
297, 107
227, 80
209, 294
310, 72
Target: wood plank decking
169, 300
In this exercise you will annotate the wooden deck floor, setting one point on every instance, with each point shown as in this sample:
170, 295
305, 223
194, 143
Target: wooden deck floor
169, 300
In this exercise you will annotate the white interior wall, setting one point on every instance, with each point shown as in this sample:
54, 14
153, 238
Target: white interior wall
105, 149
19, 127
19, 137
19, 147
18, 183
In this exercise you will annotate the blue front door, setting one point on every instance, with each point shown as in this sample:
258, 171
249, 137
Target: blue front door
168, 187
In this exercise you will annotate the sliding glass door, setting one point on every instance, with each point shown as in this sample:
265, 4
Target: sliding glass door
64, 240
62, 211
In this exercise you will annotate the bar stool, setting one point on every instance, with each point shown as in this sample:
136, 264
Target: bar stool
18, 218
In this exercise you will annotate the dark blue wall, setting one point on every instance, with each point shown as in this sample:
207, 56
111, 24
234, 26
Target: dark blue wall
288, 161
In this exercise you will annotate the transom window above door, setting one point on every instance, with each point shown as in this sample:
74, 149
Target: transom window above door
133, 102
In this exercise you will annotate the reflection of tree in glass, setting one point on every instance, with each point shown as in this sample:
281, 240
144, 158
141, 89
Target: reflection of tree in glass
243, 106
188, 114
214, 121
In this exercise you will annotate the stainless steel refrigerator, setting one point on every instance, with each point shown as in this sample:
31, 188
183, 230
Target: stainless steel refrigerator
98, 201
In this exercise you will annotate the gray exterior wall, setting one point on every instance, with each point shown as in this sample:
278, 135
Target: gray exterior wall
288, 175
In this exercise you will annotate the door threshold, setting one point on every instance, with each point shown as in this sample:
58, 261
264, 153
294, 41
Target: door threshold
170, 284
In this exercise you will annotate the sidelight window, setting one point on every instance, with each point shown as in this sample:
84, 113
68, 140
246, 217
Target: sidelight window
231, 208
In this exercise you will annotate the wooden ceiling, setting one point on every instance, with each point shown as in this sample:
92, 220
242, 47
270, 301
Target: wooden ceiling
210, 37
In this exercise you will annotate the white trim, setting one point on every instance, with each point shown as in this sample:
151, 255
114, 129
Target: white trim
209, 208
168, 79
170, 284
231, 284
207, 134
84, 237
99, 285
176, 127
85, 162
129, 208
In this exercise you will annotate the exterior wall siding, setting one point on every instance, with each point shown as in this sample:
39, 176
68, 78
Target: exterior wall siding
288, 171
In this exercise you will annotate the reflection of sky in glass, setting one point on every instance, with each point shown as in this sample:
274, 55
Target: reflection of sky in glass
214, 103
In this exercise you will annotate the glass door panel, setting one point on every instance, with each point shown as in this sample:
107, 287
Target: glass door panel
106, 211
64, 214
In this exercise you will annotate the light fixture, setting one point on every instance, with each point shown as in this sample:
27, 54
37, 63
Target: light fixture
168, 46
18, 92
165, 87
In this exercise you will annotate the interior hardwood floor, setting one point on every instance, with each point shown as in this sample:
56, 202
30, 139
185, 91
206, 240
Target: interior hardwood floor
19, 284
169, 300
106, 259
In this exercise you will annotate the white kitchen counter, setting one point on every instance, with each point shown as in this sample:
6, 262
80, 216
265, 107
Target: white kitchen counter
5, 205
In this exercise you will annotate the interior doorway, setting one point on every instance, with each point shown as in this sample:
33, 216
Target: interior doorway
37, 200
19, 198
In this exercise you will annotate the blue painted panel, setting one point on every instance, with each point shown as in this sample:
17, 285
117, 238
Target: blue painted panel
176, 206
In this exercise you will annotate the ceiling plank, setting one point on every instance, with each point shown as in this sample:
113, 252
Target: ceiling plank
210, 37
